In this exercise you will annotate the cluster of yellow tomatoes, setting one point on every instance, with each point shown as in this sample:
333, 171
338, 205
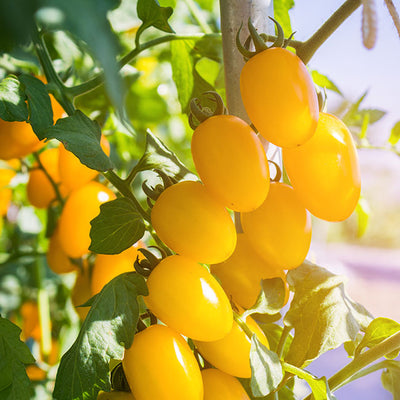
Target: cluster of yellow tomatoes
193, 220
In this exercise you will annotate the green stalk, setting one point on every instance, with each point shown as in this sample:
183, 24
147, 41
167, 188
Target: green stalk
193, 8
99, 79
311, 45
282, 340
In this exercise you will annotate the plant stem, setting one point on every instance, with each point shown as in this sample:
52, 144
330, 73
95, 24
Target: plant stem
311, 45
281, 345
99, 79
193, 8
343, 376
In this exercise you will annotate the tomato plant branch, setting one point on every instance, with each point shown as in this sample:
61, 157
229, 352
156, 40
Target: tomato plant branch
311, 45
99, 79
282, 341
193, 8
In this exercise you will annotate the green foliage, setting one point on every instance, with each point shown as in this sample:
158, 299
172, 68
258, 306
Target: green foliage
81, 136
395, 134
12, 100
391, 378
152, 14
14, 355
281, 14
266, 369
116, 228
107, 329
324, 82
321, 313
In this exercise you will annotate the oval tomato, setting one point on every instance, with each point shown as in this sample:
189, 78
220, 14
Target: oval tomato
220, 386
231, 162
106, 267
279, 96
73, 173
325, 172
81, 293
6, 175
17, 140
187, 298
240, 275
192, 223
57, 259
231, 354
80, 208
160, 365
279, 230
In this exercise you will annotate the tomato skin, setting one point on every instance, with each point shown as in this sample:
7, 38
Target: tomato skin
106, 267
231, 162
220, 386
240, 275
72, 172
160, 365
279, 96
231, 354
17, 140
187, 298
80, 208
192, 223
57, 259
81, 293
279, 230
6, 175
325, 172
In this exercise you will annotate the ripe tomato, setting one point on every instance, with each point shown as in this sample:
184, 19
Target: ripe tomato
30, 321
241, 274
324, 171
73, 173
58, 111
6, 175
81, 293
220, 386
189, 221
231, 162
106, 267
231, 354
279, 230
115, 395
17, 140
80, 208
39, 189
279, 96
57, 260
187, 298
160, 365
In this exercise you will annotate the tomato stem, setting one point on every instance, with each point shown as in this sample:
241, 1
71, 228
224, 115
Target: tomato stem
196, 14
282, 341
311, 45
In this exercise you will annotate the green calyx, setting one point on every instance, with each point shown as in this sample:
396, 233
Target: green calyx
260, 40
198, 113
146, 265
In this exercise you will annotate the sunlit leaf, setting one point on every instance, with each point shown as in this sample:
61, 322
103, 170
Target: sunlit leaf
152, 14
281, 14
12, 100
395, 134
391, 378
363, 213
324, 82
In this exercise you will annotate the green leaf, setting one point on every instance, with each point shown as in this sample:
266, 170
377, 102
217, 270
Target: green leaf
266, 369
109, 327
363, 213
208, 70
14, 355
273, 332
324, 82
12, 100
271, 299
152, 14
391, 379
395, 134
117, 227
321, 313
40, 111
281, 14
378, 330
158, 156
81, 136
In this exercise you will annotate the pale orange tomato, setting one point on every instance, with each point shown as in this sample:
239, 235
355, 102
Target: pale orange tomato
81, 293
80, 208
6, 175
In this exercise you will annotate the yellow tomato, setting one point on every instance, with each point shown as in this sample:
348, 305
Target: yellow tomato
58, 111
57, 259
231, 162
39, 189
231, 354
220, 386
107, 267
188, 220
241, 274
324, 171
6, 176
160, 365
81, 293
72, 172
279, 230
279, 96
186, 297
30, 321
17, 140
35, 373
80, 208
